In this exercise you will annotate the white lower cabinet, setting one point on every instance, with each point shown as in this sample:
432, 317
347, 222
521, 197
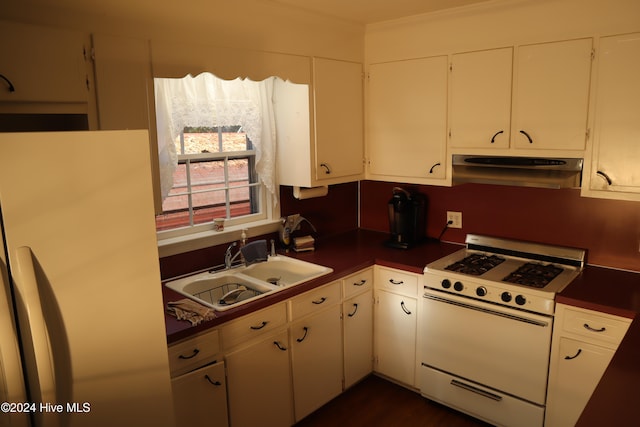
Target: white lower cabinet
200, 397
198, 381
357, 318
316, 343
395, 325
259, 383
583, 344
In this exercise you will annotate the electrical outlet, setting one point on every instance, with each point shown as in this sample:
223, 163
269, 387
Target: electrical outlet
455, 218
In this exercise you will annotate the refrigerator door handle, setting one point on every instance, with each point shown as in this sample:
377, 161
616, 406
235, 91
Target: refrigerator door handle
41, 381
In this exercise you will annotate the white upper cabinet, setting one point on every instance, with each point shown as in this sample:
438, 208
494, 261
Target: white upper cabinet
407, 120
551, 95
320, 127
614, 170
40, 64
480, 99
339, 121
521, 101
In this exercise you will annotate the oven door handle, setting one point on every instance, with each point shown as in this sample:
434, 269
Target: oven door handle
476, 390
487, 310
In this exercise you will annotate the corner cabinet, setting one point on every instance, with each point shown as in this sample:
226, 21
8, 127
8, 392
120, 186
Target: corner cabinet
547, 109
407, 121
583, 344
320, 127
613, 171
395, 324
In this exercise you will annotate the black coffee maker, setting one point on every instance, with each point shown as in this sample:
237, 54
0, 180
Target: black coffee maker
407, 218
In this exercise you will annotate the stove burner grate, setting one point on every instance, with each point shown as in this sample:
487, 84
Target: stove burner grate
475, 264
534, 275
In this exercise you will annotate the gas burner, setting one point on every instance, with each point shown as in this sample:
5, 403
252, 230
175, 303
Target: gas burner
534, 274
475, 264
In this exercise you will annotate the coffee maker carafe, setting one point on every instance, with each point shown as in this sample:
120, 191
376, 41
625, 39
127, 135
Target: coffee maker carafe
407, 219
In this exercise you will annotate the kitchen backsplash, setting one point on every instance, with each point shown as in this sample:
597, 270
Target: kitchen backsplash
608, 229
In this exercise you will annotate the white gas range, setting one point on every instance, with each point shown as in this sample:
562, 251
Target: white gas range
522, 275
486, 327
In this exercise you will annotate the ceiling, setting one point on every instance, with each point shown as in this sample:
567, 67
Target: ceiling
370, 11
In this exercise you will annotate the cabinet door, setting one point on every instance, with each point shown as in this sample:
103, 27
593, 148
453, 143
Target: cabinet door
259, 384
551, 95
316, 360
200, 396
407, 118
339, 118
395, 336
616, 150
480, 99
124, 82
43, 64
575, 373
357, 314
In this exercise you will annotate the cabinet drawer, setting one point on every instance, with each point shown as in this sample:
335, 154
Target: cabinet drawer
359, 282
253, 325
193, 353
397, 281
315, 300
594, 325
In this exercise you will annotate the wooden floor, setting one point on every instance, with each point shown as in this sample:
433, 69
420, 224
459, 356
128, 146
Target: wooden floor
377, 402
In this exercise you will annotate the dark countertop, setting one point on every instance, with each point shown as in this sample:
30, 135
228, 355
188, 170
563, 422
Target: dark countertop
346, 254
614, 401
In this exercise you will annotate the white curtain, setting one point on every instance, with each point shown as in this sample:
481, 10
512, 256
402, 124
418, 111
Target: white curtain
206, 100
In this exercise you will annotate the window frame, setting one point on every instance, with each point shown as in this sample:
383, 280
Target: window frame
197, 236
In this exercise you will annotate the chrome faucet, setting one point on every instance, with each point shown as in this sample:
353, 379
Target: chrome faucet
228, 259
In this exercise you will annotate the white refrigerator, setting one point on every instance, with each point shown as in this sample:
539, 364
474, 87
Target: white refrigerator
82, 335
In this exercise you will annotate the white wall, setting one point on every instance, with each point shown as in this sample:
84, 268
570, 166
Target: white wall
496, 24
250, 24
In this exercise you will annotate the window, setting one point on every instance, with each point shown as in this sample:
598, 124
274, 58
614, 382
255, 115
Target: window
215, 178
216, 143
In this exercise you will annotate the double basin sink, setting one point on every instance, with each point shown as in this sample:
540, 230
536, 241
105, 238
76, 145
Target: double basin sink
226, 289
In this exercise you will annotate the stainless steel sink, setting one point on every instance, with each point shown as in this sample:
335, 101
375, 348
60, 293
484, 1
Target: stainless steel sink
229, 288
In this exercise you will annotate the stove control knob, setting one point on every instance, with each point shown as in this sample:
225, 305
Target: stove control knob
458, 286
481, 291
446, 283
505, 296
520, 300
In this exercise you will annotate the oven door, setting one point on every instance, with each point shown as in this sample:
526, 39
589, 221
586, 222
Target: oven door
504, 349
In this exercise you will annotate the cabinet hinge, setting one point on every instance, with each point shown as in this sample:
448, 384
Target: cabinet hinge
593, 54
587, 133
451, 66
